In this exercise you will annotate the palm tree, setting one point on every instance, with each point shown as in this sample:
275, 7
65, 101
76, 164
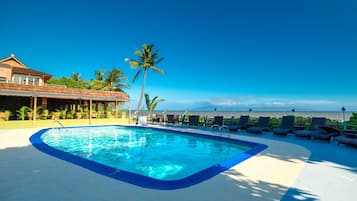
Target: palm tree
151, 104
113, 80
147, 59
76, 76
98, 83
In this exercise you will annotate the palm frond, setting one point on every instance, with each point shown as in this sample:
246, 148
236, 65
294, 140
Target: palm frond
159, 60
154, 104
137, 75
97, 84
135, 64
126, 86
98, 75
154, 99
154, 68
147, 101
138, 53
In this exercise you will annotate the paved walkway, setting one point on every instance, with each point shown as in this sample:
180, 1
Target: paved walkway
290, 169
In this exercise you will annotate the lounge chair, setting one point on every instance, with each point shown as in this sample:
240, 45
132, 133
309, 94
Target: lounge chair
263, 125
193, 120
242, 124
218, 123
316, 122
287, 126
172, 119
157, 118
326, 133
348, 137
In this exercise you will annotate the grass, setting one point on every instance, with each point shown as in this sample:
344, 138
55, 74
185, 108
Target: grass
14, 124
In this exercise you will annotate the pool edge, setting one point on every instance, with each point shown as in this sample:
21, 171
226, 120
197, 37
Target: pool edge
143, 181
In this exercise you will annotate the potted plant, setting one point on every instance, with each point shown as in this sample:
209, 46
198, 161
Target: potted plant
7, 115
44, 114
22, 113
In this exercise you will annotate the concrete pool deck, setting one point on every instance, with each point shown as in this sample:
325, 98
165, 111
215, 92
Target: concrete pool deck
289, 169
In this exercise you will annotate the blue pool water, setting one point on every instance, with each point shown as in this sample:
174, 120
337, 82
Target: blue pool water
145, 156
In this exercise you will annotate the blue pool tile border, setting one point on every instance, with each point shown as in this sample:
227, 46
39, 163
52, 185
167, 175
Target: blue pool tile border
148, 182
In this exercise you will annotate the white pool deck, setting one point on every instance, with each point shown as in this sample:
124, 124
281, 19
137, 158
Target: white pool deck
289, 169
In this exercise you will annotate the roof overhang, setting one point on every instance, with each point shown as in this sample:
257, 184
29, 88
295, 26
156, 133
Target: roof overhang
60, 93
57, 95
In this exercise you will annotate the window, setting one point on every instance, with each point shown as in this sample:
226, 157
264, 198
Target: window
23, 80
28, 80
2, 79
16, 79
31, 80
37, 81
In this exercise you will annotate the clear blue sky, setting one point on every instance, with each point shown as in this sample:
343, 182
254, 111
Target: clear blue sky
272, 55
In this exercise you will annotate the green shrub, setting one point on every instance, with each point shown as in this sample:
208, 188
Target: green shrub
274, 122
352, 123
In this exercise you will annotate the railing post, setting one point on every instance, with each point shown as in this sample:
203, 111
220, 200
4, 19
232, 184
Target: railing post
90, 111
34, 111
116, 109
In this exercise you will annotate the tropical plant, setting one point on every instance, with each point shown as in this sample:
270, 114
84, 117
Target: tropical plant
147, 59
352, 123
22, 112
151, 104
63, 114
44, 114
99, 75
85, 113
113, 80
8, 114
76, 76
30, 113
69, 82
99, 82
55, 115
70, 114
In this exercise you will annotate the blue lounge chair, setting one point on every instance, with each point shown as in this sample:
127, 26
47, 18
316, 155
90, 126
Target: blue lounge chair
218, 122
157, 118
242, 124
348, 137
263, 125
287, 126
326, 133
316, 122
172, 119
193, 120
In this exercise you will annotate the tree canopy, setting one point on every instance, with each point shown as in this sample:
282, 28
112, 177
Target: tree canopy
113, 80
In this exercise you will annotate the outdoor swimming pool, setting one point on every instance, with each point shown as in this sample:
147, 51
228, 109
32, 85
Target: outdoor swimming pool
148, 157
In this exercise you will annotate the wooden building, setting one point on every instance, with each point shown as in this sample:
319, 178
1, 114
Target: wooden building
21, 85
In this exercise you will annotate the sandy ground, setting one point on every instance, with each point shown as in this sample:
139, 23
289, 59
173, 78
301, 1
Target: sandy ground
290, 169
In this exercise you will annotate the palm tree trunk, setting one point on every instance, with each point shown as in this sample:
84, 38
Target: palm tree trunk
141, 97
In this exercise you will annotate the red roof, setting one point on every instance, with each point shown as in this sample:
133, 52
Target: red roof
23, 70
28, 71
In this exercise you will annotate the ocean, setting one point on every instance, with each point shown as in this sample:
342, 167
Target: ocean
227, 114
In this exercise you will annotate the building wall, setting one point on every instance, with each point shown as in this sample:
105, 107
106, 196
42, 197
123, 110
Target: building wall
5, 72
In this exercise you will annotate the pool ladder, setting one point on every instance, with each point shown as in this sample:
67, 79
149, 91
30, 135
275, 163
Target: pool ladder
59, 123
